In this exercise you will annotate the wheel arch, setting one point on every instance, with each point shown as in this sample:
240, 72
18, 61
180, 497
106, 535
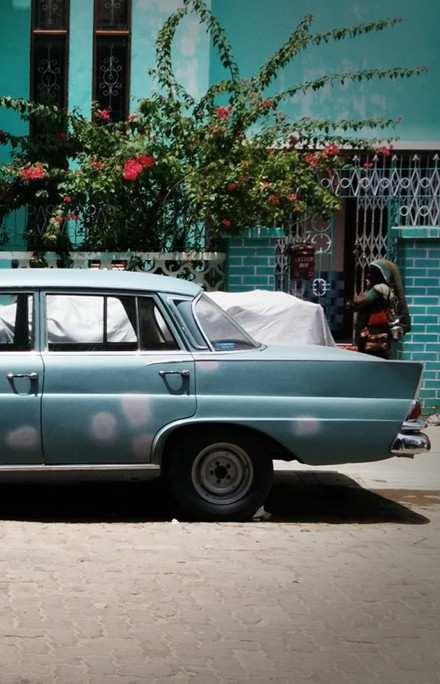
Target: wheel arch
165, 442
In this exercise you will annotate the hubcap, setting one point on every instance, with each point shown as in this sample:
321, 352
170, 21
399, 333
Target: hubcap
222, 473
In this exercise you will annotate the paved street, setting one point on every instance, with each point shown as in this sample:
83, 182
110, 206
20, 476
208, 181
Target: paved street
340, 584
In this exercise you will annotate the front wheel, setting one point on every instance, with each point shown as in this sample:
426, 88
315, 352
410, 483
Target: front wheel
223, 475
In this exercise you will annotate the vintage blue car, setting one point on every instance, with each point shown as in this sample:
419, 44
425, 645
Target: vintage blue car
108, 374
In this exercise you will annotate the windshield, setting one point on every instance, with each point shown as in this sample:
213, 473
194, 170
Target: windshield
223, 333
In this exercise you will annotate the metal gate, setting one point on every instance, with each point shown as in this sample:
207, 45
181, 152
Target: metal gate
308, 229
376, 193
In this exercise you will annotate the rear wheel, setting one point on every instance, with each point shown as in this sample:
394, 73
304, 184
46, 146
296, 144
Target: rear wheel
219, 475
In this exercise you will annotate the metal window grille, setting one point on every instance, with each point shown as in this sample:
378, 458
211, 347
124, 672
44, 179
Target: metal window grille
49, 51
111, 56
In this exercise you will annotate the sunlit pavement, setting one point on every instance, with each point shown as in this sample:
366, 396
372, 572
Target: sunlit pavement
336, 582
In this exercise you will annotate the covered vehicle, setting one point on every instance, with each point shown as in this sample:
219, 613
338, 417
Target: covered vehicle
277, 317
108, 374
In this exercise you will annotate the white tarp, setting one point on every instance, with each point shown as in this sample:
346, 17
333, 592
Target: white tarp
73, 318
276, 317
269, 317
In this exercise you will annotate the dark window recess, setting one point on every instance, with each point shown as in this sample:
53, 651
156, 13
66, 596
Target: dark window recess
112, 15
111, 75
48, 78
50, 15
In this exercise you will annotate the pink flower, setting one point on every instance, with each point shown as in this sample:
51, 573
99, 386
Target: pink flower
145, 160
227, 223
134, 166
266, 103
67, 199
384, 150
232, 186
132, 169
368, 165
311, 160
274, 199
97, 164
58, 219
132, 117
331, 150
292, 197
103, 113
32, 172
293, 140
224, 112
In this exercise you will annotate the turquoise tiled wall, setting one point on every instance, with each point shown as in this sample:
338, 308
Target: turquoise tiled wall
251, 260
419, 260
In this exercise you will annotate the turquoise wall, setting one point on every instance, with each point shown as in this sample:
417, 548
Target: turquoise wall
191, 48
257, 28
15, 21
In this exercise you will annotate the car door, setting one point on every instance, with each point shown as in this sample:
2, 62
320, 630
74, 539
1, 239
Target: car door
21, 381
114, 375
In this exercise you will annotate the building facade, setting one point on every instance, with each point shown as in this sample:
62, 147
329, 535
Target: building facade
72, 52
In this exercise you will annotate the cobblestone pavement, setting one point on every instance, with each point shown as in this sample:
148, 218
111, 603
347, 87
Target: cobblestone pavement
341, 584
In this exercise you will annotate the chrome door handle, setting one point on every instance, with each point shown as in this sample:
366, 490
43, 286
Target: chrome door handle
31, 376
182, 373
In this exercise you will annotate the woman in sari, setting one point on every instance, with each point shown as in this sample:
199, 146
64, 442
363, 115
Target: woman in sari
382, 312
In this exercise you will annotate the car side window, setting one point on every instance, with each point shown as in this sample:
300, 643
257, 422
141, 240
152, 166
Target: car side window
155, 333
91, 323
16, 322
105, 323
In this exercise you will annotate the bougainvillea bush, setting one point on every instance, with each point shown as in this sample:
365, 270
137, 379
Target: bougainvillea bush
179, 171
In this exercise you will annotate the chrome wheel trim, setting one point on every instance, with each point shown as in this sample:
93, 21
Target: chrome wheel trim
222, 473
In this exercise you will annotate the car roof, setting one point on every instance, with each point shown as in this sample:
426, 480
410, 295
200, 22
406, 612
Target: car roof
77, 278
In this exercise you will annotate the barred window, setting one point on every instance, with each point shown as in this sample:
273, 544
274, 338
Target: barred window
111, 56
49, 50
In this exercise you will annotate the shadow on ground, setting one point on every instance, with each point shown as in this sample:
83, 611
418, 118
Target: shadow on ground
330, 497
295, 497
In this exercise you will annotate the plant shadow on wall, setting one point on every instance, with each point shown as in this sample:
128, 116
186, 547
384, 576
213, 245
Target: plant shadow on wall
179, 173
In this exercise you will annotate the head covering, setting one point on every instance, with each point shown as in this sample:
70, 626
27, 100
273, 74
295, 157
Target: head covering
392, 277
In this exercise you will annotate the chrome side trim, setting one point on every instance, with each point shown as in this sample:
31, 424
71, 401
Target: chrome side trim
115, 468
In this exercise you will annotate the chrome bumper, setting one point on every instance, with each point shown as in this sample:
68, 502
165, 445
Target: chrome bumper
411, 441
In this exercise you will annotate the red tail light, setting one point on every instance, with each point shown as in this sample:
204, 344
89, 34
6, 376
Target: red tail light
415, 410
